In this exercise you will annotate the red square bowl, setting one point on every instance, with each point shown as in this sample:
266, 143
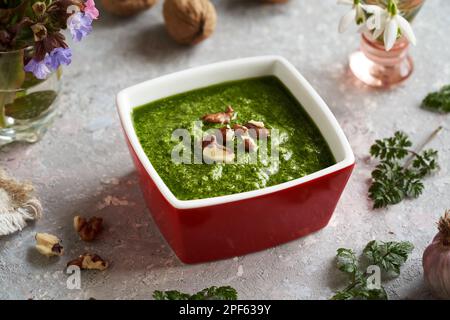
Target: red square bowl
227, 226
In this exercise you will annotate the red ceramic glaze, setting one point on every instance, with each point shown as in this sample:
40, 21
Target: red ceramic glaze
240, 227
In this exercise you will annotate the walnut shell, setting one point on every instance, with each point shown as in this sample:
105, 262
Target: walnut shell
189, 21
126, 8
275, 1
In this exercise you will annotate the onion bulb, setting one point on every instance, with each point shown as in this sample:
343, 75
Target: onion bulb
436, 260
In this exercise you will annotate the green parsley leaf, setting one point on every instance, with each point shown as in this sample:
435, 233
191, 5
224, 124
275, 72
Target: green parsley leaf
389, 256
438, 101
425, 163
391, 148
216, 293
347, 261
394, 179
388, 181
212, 293
361, 293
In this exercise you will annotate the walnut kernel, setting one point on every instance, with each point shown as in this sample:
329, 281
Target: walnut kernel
89, 261
87, 229
49, 245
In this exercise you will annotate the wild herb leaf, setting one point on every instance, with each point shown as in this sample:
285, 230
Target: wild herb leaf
425, 163
391, 148
389, 256
216, 293
438, 101
361, 292
394, 179
388, 181
347, 261
212, 293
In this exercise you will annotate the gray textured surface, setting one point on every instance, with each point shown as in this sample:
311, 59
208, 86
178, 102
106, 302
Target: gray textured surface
83, 159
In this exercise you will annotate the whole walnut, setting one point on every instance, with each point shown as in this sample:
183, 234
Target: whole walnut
189, 21
127, 7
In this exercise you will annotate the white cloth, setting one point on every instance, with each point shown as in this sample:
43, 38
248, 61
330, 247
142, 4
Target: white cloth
17, 205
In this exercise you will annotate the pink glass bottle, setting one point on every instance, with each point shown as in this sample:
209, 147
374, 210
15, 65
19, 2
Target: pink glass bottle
375, 66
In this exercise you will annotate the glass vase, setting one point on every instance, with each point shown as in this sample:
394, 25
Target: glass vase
27, 104
375, 66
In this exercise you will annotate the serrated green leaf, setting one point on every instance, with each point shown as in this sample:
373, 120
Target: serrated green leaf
347, 261
389, 256
394, 180
211, 293
438, 101
361, 293
391, 148
216, 293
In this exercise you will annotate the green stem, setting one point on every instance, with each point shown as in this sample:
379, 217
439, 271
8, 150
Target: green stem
2, 111
423, 145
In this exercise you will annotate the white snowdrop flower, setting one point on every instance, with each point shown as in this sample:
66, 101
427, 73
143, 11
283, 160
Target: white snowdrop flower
356, 14
376, 21
394, 23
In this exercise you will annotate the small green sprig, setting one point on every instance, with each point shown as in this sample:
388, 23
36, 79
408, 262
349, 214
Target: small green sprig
395, 179
212, 293
438, 101
388, 256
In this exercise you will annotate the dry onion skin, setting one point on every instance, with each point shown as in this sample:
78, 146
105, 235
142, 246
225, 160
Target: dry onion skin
436, 260
189, 21
125, 8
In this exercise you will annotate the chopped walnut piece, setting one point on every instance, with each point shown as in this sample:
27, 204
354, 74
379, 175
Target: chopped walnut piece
89, 261
239, 129
243, 133
49, 245
214, 152
87, 229
227, 134
220, 117
249, 144
222, 136
259, 128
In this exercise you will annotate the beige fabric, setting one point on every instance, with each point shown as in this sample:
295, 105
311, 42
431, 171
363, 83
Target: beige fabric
17, 205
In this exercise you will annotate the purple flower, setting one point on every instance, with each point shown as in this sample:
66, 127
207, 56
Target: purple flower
79, 25
59, 56
40, 69
90, 9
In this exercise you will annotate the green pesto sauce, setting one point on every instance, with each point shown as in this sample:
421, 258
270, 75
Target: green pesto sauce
302, 149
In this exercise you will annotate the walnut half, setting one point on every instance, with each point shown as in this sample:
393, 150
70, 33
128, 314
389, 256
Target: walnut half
220, 117
49, 245
87, 229
89, 261
216, 153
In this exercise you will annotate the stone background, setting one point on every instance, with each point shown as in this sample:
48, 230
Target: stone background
82, 165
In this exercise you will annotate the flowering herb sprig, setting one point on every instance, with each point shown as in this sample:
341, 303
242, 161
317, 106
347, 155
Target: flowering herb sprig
38, 24
378, 20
